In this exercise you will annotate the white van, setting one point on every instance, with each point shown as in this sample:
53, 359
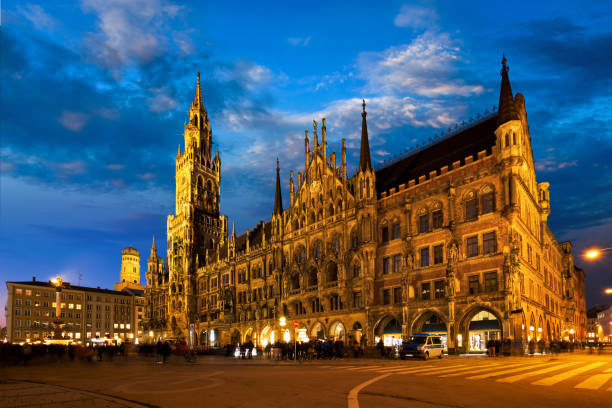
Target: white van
423, 345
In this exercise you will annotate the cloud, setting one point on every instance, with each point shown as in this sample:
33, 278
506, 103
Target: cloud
39, 18
299, 41
245, 73
129, 31
73, 121
426, 67
416, 17
161, 102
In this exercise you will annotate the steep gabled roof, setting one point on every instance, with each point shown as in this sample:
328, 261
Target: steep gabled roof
457, 147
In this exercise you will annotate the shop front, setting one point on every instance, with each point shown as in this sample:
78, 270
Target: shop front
484, 326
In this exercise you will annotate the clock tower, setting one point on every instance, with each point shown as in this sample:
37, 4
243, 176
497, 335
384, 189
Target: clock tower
197, 228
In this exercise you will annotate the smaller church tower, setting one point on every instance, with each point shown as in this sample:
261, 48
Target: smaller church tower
155, 268
130, 270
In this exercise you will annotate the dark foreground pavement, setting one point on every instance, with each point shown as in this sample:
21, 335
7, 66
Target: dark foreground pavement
567, 381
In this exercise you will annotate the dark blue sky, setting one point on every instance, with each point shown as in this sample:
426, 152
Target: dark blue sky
94, 95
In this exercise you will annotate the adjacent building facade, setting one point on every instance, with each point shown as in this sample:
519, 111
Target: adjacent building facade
450, 238
86, 313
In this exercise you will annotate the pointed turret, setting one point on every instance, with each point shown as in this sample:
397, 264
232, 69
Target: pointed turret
506, 108
197, 99
278, 199
364, 158
153, 249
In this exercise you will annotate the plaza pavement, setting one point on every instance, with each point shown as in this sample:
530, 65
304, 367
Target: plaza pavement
569, 380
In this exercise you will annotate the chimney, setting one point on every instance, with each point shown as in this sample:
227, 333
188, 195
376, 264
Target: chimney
33, 278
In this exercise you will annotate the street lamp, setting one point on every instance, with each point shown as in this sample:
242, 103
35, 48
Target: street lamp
595, 253
608, 291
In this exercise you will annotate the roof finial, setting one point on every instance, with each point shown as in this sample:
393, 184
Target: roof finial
504, 61
363, 104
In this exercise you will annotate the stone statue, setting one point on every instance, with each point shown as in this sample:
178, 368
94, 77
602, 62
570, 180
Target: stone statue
451, 285
453, 252
409, 262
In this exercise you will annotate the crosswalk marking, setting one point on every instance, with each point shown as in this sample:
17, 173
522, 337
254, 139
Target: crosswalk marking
512, 370
515, 378
481, 369
420, 370
362, 367
460, 371
568, 374
595, 382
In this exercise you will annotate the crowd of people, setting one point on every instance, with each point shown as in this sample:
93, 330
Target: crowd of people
23, 354
16, 354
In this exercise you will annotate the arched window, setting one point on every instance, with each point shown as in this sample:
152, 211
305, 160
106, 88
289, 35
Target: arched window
317, 250
332, 272
330, 211
356, 269
354, 239
313, 280
295, 281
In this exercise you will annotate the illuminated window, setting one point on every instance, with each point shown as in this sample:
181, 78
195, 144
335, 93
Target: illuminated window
386, 265
472, 246
426, 291
424, 223
437, 219
439, 289
438, 254
78, 306
490, 282
396, 231
18, 291
488, 203
127, 326
387, 297
28, 292
71, 306
471, 209
397, 295
424, 257
397, 263
116, 325
489, 243
473, 284
357, 300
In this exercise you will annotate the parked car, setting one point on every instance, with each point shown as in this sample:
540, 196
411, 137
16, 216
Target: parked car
423, 346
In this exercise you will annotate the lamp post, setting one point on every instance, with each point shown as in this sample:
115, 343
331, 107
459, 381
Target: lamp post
595, 253
57, 323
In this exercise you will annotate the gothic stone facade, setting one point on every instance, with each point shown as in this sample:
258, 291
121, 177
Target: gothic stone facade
451, 238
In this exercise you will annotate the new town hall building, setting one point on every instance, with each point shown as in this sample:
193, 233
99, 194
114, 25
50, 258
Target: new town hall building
451, 238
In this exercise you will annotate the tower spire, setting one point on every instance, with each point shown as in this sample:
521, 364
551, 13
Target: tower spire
278, 199
197, 100
153, 248
506, 110
364, 157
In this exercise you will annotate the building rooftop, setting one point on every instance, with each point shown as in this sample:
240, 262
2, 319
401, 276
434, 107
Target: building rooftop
67, 285
467, 141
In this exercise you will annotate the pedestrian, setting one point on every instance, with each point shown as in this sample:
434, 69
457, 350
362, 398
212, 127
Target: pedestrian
381, 348
166, 351
159, 350
531, 345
